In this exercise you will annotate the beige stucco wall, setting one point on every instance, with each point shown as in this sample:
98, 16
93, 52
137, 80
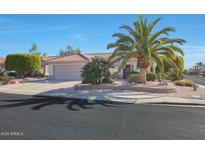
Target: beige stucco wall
50, 67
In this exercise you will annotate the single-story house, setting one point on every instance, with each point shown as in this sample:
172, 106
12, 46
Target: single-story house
69, 67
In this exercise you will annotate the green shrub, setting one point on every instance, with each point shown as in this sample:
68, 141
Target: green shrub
11, 73
186, 72
173, 75
3, 73
6, 79
37, 74
195, 86
107, 80
184, 82
133, 78
132, 72
23, 63
151, 77
96, 71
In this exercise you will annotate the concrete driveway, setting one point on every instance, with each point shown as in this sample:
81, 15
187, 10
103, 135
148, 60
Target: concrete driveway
37, 87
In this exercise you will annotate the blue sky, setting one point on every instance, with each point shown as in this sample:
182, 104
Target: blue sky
91, 33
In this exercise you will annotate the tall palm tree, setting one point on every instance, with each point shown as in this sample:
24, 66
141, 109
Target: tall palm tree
147, 46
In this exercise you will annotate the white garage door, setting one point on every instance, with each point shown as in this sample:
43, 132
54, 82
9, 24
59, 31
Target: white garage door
67, 72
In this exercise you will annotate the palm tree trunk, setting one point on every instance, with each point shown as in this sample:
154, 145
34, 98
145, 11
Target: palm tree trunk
142, 78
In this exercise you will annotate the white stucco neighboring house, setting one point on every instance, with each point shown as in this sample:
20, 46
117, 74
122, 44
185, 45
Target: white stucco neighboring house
69, 67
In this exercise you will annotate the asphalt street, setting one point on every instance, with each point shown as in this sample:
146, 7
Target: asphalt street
46, 118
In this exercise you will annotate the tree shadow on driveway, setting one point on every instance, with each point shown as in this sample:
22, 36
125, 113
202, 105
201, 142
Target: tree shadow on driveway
39, 102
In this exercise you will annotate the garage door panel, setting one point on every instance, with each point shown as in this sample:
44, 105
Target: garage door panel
67, 72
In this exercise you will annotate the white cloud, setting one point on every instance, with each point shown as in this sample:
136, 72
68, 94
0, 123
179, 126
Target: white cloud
194, 47
17, 31
54, 27
78, 37
8, 25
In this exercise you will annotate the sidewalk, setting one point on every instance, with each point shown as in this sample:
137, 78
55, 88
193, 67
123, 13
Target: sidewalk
202, 86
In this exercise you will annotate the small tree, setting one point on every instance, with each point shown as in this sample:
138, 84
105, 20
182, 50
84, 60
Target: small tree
23, 64
34, 49
45, 54
68, 51
198, 68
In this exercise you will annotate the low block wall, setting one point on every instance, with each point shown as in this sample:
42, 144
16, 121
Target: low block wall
164, 89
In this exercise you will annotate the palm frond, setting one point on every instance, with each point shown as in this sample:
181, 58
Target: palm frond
164, 31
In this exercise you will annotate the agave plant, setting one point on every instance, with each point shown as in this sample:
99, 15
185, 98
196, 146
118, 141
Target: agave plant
147, 46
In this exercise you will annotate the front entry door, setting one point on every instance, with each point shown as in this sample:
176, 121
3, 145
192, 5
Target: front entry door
126, 71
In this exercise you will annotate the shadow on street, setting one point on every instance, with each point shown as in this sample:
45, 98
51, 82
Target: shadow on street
39, 102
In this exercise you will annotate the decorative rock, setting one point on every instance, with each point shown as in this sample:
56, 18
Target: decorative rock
162, 89
13, 82
24, 80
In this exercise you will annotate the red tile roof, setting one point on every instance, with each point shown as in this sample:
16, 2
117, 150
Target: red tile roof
78, 57
72, 58
47, 58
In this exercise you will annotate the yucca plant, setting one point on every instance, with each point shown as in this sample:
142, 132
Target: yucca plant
147, 46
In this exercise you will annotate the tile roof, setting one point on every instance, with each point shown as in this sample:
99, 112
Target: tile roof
47, 58
72, 58
78, 57
101, 55
2, 60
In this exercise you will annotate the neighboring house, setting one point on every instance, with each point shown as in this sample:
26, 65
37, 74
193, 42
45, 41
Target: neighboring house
2, 61
69, 67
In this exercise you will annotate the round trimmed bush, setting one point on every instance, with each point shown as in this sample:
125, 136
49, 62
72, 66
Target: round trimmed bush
133, 78
107, 80
11, 73
151, 77
5, 79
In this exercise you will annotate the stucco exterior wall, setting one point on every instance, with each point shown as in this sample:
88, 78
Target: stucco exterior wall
132, 62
